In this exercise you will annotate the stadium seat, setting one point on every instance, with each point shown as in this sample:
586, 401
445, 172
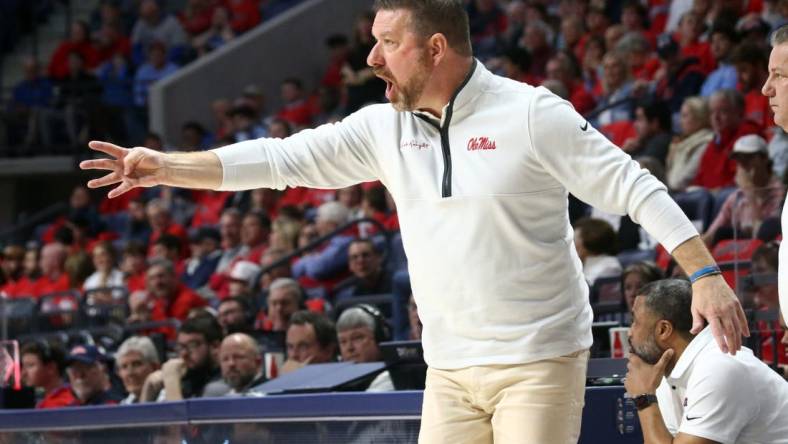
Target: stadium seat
103, 305
20, 314
733, 271
735, 250
607, 296
59, 310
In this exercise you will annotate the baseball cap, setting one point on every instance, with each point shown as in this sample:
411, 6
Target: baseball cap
749, 144
87, 354
245, 271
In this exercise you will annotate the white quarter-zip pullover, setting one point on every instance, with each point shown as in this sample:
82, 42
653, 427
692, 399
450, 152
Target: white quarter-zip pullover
482, 202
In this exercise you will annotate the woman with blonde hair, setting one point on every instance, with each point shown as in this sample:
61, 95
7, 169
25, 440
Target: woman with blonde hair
684, 153
284, 233
106, 274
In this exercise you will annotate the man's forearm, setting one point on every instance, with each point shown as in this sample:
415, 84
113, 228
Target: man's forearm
693, 255
172, 388
654, 430
193, 170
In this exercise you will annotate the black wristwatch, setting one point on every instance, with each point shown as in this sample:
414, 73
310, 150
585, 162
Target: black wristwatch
644, 400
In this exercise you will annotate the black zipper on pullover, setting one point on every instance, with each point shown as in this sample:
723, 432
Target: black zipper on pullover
444, 131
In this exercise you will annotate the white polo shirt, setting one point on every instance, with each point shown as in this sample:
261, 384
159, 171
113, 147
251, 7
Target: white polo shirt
724, 398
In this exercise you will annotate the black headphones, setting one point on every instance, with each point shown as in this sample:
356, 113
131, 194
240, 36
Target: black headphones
382, 329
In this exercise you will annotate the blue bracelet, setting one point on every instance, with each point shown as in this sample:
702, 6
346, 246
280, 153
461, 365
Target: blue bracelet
705, 271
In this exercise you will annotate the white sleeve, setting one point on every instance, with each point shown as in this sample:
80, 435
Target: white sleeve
330, 156
592, 168
666, 407
720, 401
782, 268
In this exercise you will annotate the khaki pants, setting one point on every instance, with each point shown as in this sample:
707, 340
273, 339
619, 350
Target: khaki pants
535, 403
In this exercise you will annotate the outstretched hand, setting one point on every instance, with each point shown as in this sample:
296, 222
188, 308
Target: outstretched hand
131, 168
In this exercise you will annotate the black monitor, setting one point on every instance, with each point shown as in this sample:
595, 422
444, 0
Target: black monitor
405, 363
606, 371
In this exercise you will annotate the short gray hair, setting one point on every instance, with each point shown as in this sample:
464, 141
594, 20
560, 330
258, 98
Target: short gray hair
140, 344
333, 212
780, 36
633, 42
287, 283
732, 96
355, 317
671, 300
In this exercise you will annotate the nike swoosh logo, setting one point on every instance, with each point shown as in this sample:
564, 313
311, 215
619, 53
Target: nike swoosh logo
693, 418
584, 127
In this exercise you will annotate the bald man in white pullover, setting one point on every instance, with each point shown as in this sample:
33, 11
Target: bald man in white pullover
479, 167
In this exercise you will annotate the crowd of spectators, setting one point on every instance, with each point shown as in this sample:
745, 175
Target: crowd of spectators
95, 85
675, 84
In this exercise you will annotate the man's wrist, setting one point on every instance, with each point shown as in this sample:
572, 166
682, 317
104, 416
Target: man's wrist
704, 272
644, 400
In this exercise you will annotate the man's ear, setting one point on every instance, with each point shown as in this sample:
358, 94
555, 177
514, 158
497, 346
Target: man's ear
663, 330
437, 46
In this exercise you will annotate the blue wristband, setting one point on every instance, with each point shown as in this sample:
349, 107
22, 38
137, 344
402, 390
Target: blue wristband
705, 271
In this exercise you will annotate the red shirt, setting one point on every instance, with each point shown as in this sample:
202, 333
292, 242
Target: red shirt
59, 397
756, 109
136, 282
658, 15
208, 207
581, 99
647, 70
45, 285
24, 287
58, 64
121, 46
179, 306
244, 14
306, 197
175, 230
198, 22
717, 169
298, 113
120, 203
701, 50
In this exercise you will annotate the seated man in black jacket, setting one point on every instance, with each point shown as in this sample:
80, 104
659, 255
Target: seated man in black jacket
369, 276
195, 372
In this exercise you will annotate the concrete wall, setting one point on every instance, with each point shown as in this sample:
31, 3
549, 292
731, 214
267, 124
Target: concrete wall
291, 44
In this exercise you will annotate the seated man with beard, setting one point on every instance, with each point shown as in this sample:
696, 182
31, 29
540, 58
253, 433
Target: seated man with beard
759, 195
195, 372
241, 361
686, 389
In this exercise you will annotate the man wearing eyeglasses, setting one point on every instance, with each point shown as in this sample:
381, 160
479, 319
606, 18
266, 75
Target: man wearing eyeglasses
195, 372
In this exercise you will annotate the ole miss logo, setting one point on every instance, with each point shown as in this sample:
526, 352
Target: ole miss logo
481, 143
